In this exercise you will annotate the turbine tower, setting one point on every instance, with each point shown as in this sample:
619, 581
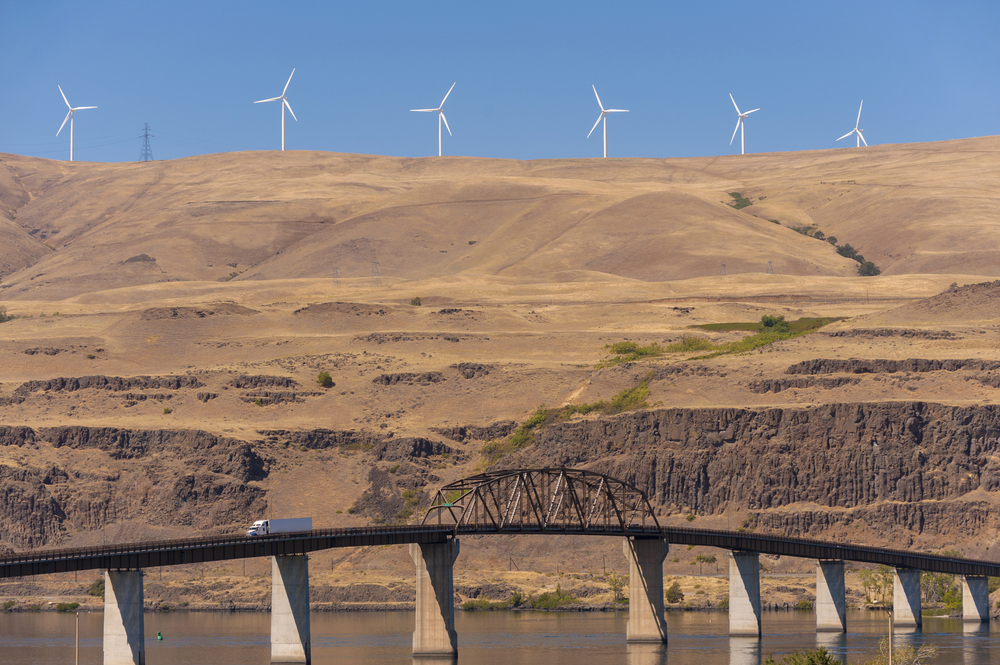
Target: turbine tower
440, 111
739, 126
69, 116
604, 117
284, 103
861, 139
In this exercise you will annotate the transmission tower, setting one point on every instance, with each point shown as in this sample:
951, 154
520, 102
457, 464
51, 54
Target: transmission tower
770, 268
724, 271
147, 152
376, 275
336, 276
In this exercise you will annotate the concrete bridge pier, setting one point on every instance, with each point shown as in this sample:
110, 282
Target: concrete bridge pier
975, 599
434, 633
831, 599
646, 622
906, 599
744, 594
124, 627
290, 637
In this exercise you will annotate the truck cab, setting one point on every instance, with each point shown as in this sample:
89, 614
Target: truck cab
258, 528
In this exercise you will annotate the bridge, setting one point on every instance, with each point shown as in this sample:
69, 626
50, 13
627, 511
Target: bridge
514, 502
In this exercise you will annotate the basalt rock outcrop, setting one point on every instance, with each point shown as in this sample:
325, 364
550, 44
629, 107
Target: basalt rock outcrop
901, 467
883, 366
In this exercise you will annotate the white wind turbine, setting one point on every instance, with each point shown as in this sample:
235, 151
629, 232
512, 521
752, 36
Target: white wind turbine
604, 117
69, 116
284, 103
740, 127
440, 111
861, 139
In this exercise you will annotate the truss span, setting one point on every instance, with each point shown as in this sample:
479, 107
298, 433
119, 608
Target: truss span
543, 501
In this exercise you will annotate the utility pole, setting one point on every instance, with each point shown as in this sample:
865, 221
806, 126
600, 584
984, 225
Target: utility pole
147, 152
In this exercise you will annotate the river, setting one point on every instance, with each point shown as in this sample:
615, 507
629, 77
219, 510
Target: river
485, 638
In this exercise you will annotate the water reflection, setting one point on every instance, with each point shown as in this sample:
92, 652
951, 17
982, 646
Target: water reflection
744, 651
647, 654
835, 643
435, 660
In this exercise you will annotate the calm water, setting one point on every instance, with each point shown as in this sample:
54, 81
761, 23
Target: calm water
497, 638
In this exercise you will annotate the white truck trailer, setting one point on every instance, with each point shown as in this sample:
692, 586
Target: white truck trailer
271, 527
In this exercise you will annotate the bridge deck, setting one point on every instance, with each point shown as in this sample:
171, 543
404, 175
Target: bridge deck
223, 548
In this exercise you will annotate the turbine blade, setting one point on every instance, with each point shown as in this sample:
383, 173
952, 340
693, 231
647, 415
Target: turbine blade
734, 104
290, 109
289, 81
446, 122
846, 135
858, 122
734, 131
273, 99
446, 97
749, 112
598, 99
423, 110
595, 124
862, 137
616, 110
78, 108
64, 97
64, 121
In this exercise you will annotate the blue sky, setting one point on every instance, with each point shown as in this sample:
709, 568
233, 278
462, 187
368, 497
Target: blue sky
926, 70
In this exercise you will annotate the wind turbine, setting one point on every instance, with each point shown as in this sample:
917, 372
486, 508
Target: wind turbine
284, 103
740, 127
69, 116
439, 110
604, 117
861, 139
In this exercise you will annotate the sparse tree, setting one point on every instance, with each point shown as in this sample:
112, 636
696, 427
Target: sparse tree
673, 593
324, 379
617, 583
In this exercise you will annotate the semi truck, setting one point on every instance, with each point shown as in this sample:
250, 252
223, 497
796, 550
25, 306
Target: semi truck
271, 527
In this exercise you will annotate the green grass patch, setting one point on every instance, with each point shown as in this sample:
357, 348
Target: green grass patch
622, 352
739, 201
690, 344
522, 437
777, 330
482, 604
552, 599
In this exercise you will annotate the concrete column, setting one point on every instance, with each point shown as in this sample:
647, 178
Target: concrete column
290, 638
645, 589
975, 599
646, 653
744, 594
124, 629
906, 598
831, 600
434, 634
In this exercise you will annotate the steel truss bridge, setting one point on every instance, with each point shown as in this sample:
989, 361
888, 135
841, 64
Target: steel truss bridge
516, 502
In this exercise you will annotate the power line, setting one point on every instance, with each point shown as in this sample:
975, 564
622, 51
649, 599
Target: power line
147, 153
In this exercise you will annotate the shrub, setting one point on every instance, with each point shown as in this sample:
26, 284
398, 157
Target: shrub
629, 351
551, 600
739, 201
66, 607
415, 302
7, 605
774, 324
868, 269
690, 517
617, 583
674, 593
325, 380
819, 656
97, 588
90, 356
832, 240
690, 343
804, 606
3, 315
167, 410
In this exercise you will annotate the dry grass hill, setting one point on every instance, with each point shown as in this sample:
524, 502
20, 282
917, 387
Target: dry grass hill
171, 319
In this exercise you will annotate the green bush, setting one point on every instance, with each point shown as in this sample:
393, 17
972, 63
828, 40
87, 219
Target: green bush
803, 605
3, 315
868, 269
97, 588
551, 600
167, 410
674, 594
629, 351
631, 398
819, 656
325, 380
415, 302
66, 607
774, 324
690, 517
690, 343
7, 604
739, 201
